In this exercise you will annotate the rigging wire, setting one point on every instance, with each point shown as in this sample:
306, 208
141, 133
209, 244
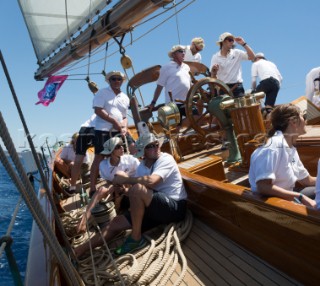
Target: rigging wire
99, 50
105, 56
177, 22
67, 22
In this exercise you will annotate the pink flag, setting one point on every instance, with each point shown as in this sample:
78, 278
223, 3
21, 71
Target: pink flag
49, 92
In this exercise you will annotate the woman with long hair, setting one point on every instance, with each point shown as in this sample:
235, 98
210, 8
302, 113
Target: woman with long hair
275, 167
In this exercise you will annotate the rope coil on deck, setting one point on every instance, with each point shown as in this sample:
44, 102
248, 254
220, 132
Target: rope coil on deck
152, 265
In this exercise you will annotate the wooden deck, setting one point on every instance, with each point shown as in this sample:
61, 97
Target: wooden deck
213, 259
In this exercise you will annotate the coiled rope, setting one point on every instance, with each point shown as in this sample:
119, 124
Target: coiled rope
155, 264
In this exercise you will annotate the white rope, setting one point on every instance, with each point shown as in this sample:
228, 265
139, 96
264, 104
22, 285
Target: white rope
13, 219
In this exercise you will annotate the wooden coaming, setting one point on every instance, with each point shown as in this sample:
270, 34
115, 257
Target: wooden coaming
283, 233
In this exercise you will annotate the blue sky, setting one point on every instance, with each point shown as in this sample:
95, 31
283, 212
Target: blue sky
287, 31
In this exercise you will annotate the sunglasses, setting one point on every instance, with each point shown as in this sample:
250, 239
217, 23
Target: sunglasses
118, 146
181, 51
230, 39
116, 78
151, 146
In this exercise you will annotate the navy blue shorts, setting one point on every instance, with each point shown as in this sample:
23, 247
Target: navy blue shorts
162, 210
85, 140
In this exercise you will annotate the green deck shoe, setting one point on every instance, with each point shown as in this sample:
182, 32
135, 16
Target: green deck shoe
130, 244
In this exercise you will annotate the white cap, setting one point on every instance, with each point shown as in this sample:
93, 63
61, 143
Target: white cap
117, 73
260, 55
110, 144
174, 49
143, 141
223, 37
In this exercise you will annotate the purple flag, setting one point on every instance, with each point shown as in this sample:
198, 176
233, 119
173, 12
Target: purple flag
49, 92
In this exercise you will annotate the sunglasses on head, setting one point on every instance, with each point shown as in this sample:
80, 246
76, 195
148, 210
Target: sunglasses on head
181, 51
230, 39
118, 146
116, 78
153, 145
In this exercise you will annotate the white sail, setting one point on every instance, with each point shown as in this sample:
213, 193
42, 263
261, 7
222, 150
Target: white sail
60, 32
52, 22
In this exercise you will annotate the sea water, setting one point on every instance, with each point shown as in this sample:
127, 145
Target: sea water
9, 197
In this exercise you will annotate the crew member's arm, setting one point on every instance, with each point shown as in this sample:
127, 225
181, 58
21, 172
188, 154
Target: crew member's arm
156, 95
249, 51
265, 187
149, 181
308, 181
105, 115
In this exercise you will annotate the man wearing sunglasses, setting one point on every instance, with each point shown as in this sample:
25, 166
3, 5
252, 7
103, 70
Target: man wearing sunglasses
226, 63
157, 196
111, 106
175, 78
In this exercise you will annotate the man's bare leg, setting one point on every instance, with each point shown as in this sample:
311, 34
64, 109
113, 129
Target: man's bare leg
118, 224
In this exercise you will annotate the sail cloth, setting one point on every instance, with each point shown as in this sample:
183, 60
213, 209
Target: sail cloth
51, 22
49, 92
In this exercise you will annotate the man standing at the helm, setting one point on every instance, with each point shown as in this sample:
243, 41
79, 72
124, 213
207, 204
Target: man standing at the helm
226, 63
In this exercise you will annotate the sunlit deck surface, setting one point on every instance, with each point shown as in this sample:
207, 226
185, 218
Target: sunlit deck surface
213, 259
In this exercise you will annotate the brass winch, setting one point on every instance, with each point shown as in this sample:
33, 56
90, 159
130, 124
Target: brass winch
169, 116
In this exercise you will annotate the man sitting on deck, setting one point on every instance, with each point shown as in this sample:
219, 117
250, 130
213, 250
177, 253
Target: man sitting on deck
157, 196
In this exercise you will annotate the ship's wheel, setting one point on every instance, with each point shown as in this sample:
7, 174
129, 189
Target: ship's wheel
201, 97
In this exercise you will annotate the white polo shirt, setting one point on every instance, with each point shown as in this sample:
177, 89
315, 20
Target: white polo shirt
167, 168
189, 57
68, 153
265, 69
91, 122
175, 78
276, 161
230, 66
116, 106
127, 164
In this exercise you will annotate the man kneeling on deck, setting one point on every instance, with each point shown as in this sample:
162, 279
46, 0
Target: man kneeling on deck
157, 196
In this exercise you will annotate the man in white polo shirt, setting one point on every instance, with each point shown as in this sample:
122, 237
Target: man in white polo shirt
226, 63
270, 79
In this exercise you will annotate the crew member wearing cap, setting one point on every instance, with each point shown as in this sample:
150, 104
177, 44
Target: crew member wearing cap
111, 106
116, 162
176, 80
157, 196
270, 79
226, 63
193, 50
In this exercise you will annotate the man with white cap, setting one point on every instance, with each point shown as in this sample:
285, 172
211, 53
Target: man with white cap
226, 63
175, 78
270, 79
157, 196
111, 106
193, 50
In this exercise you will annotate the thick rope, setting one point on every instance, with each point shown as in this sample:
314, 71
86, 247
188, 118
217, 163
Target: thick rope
9, 229
26, 190
155, 264
13, 153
